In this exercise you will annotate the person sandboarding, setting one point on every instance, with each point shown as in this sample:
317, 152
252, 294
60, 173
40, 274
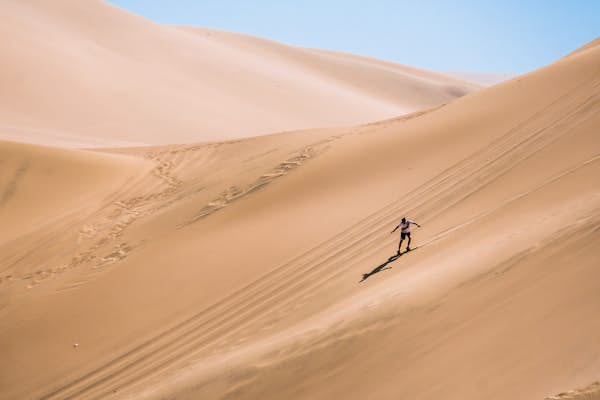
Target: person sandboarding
405, 232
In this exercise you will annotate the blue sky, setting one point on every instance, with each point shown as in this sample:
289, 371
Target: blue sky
462, 35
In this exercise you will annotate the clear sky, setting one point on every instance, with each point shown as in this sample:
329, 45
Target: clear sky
454, 35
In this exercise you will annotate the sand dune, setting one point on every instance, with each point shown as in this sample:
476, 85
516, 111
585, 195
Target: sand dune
230, 269
90, 74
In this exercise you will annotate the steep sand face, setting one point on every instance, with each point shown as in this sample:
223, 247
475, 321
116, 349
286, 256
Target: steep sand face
232, 269
89, 74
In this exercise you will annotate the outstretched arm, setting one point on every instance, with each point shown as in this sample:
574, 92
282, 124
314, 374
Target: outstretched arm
417, 224
395, 229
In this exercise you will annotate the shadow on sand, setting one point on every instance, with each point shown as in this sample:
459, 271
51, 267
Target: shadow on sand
384, 266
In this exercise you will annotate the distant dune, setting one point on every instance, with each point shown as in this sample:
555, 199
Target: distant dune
86, 73
230, 269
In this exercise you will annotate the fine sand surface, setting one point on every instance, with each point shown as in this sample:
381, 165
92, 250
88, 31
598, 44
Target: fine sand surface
231, 269
86, 73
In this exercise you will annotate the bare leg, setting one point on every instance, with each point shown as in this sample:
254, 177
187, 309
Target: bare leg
400, 245
408, 244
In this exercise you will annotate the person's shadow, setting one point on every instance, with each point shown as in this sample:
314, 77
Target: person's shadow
383, 266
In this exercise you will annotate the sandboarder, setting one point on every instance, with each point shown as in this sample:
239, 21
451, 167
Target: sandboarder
405, 232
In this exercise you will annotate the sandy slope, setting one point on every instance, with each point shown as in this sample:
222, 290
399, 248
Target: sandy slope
231, 269
86, 73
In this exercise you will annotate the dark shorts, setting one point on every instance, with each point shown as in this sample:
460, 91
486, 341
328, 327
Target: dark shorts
403, 235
